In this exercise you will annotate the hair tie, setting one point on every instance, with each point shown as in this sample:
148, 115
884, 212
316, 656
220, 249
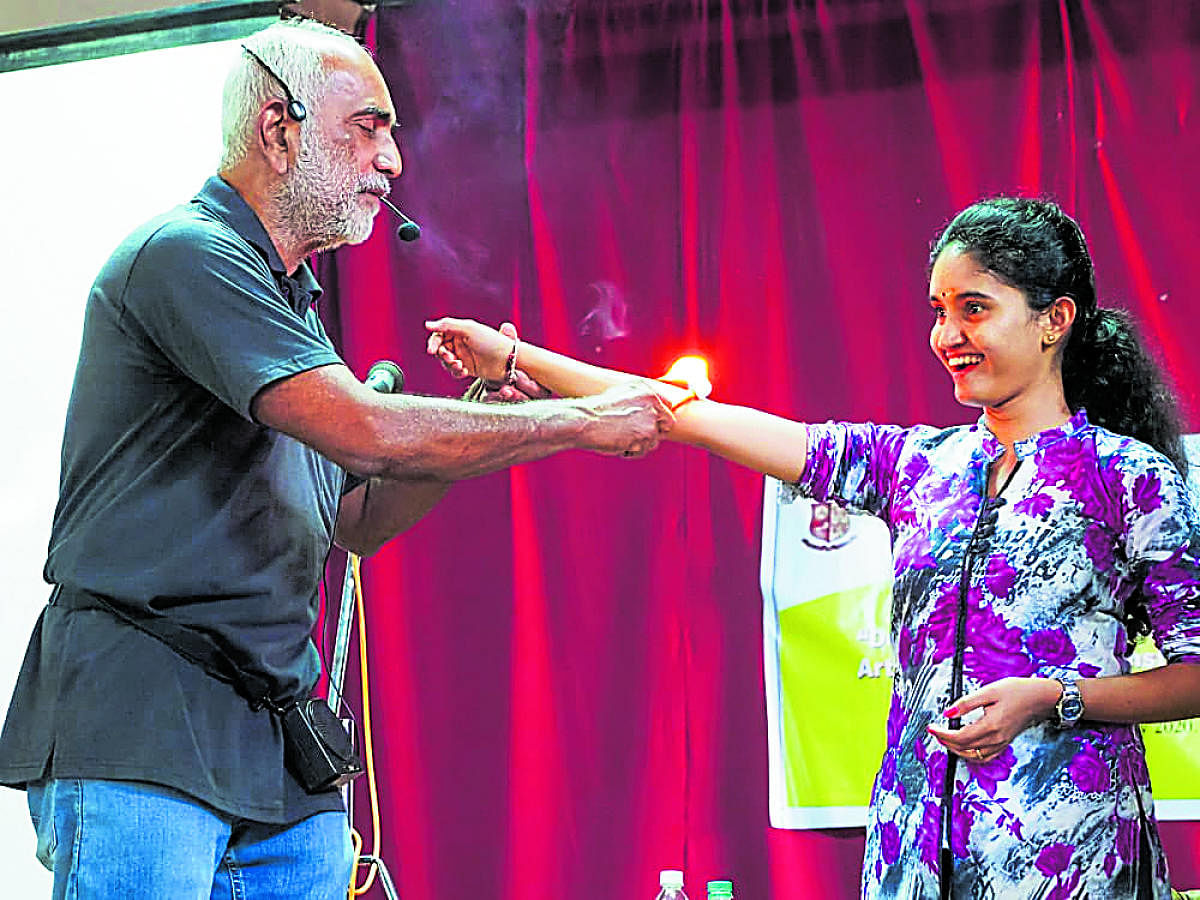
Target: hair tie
1105, 326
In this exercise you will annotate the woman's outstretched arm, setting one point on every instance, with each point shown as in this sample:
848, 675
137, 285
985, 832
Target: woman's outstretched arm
750, 437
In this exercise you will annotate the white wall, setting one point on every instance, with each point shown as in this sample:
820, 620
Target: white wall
26, 15
90, 150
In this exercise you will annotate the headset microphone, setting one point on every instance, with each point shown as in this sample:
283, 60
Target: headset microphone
408, 230
295, 108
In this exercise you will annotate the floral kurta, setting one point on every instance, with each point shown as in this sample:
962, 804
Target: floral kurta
1091, 519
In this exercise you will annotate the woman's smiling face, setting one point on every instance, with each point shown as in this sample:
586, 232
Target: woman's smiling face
985, 334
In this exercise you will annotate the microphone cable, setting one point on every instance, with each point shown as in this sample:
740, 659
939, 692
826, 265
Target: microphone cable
356, 840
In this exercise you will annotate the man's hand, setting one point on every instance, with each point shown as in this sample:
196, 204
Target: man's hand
469, 349
1009, 706
629, 419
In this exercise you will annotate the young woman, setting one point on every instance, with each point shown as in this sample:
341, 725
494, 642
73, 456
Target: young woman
1030, 549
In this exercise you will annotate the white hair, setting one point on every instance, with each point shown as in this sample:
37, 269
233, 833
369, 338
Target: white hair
299, 52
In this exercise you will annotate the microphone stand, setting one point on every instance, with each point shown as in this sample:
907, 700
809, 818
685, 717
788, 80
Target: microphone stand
337, 674
386, 378
341, 642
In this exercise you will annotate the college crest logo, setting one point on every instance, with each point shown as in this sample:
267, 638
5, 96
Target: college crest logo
829, 527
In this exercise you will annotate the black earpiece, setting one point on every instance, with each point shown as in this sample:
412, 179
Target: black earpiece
295, 109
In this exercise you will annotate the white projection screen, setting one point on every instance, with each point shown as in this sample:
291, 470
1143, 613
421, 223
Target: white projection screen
90, 150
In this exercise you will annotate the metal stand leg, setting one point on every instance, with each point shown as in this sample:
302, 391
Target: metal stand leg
385, 880
337, 674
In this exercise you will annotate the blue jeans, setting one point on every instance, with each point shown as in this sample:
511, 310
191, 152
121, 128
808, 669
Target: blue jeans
107, 840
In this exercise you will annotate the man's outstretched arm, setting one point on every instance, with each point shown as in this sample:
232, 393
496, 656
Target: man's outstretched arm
419, 441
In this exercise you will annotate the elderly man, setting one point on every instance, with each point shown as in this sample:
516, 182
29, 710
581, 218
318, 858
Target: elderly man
204, 475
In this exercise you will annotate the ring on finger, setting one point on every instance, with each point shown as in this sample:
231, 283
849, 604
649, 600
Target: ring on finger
978, 754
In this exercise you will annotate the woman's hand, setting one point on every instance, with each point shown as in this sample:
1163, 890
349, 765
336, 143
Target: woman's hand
469, 349
1008, 706
523, 387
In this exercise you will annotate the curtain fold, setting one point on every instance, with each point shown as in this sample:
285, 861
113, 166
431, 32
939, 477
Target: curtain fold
566, 658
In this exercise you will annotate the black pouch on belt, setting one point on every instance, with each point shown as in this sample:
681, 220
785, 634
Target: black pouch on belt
316, 748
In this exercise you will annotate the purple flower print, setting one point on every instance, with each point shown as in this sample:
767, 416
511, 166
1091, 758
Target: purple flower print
1066, 463
1172, 579
1087, 670
961, 510
889, 842
821, 460
887, 771
961, 820
1061, 462
913, 551
1035, 506
1000, 576
988, 775
1147, 492
1127, 838
1065, 890
896, 720
1046, 438
928, 833
908, 647
913, 470
1088, 771
1098, 544
988, 442
1054, 859
994, 650
935, 771
1131, 768
1050, 647
1052, 862
943, 619
934, 491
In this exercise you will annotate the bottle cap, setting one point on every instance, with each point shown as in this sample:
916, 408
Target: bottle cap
671, 879
719, 889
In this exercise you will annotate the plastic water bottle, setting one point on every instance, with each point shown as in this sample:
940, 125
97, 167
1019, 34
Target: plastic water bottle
720, 890
671, 882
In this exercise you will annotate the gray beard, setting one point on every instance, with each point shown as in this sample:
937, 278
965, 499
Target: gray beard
317, 203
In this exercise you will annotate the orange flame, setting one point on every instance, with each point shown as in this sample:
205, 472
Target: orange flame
690, 372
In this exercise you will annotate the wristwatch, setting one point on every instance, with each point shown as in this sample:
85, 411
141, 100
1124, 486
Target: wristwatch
1070, 705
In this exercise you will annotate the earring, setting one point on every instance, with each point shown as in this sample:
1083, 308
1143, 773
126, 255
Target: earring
1049, 339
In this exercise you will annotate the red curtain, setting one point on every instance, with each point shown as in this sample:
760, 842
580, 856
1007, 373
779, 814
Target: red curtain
567, 658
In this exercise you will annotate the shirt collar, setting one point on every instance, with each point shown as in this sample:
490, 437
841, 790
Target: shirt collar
219, 197
993, 449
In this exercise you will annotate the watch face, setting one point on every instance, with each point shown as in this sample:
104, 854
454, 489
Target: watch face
1070, 709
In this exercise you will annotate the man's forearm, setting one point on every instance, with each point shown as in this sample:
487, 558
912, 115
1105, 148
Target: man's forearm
379, 509
449, 440
407, 438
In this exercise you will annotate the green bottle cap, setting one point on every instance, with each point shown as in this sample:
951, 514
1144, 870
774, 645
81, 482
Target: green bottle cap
720, 889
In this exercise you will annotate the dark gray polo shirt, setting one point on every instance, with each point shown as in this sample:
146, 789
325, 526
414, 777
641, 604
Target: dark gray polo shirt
174, 501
